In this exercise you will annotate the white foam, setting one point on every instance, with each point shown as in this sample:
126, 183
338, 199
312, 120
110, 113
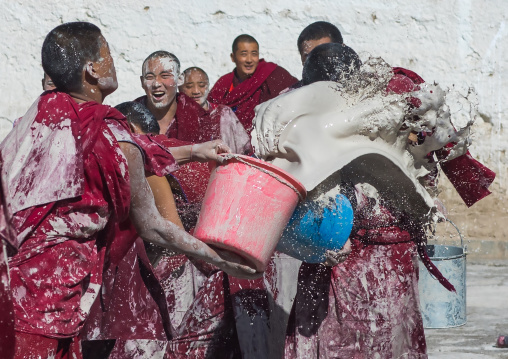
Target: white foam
357, 128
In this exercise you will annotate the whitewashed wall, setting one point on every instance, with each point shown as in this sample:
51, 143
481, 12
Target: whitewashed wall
462, 42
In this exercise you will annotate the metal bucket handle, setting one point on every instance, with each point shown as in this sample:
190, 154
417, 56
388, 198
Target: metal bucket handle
464, 247
460, 234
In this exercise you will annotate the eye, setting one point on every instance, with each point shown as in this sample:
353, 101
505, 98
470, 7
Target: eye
167, 75
149, 77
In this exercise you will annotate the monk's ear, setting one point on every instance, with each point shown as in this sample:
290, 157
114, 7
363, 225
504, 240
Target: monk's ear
141, 78
233, 58
90, 70
132, 127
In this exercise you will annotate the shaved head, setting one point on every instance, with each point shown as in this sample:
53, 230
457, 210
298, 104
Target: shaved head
243, 38
66, 50
139, 116
188, 70
161, 54
319, 30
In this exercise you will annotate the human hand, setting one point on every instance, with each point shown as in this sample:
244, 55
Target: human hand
333, 258
209, 151
235, 265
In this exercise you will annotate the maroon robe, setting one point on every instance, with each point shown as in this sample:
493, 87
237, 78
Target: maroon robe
68, 187
266, 83
6, 307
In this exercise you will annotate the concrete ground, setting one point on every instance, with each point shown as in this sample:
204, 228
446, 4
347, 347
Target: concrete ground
487, 316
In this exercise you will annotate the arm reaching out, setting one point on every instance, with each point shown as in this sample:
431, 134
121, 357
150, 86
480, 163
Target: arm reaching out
200, 152
155, 229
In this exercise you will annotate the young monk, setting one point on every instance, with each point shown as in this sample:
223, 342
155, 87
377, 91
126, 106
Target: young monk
70, 184
253, 81
196, 85
184, 121
317, 33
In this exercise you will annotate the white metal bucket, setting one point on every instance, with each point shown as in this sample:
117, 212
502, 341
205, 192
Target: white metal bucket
441, 308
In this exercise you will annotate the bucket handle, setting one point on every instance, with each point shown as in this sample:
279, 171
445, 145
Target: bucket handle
460, 235
236, 157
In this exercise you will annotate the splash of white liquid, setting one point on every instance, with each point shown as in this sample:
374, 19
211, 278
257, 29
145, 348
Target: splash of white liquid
359, 130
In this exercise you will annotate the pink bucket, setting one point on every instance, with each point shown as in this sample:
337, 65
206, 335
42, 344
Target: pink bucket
247, 205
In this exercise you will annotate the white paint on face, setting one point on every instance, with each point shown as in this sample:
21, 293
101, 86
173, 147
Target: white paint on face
160, 77
196, 86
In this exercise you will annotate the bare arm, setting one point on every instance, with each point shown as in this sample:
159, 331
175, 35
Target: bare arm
164, 200
165, 203
155, 229
200, 152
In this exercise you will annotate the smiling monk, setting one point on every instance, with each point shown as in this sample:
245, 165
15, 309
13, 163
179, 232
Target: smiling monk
252, 82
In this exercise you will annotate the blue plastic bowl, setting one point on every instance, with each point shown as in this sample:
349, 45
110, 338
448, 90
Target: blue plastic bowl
316, 227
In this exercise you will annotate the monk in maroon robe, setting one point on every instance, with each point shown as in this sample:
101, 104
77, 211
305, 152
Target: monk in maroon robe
196, 85
211, 331
368, 305
252, 82
68, 186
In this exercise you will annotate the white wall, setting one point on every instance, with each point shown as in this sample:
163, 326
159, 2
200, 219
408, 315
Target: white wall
462, 42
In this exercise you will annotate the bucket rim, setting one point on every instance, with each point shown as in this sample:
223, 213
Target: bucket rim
456, 256
447, 258
268, 167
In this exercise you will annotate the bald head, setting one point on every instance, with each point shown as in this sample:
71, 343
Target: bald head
161, 54
243, 38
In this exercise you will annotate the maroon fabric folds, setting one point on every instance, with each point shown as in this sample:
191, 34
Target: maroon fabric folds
266, 83
157, 156
368, 305
470, 178
57, 272
133, 304
193, 123
37, 346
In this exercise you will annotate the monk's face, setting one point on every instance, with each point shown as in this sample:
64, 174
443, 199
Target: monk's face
309, 45
47, 83
105, 70
159, 81
195, 86
246, 59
